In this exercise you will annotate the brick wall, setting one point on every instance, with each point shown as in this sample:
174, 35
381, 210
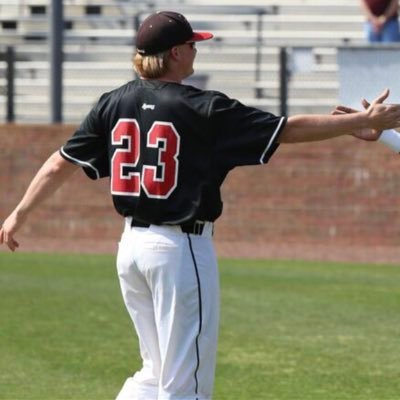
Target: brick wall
340, 191
81, 208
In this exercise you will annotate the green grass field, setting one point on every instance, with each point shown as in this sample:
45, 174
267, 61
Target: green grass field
289, 330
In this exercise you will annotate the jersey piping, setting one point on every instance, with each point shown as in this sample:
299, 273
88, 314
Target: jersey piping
272, 140
80, 162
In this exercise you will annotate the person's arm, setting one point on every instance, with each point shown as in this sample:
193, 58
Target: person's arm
366, 125
306, 128
376, 21
366, 10
53, 173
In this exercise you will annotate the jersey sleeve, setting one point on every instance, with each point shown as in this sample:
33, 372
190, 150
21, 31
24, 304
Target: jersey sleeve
244, 135
88, 146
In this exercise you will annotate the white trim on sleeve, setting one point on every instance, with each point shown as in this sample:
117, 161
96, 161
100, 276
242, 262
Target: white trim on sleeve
81, 163
271, 140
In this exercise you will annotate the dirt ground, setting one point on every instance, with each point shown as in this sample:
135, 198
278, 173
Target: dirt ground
253, 250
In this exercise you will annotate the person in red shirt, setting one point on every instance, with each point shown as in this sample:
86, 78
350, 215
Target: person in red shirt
382, 24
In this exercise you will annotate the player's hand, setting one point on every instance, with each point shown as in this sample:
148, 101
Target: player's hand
7, 231
375, 110
348, 110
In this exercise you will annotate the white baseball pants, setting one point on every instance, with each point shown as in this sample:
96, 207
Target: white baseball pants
170, 286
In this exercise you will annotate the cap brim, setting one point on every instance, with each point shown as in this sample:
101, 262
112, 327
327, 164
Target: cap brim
200, 36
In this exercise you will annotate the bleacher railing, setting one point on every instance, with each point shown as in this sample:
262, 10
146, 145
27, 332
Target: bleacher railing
56, 112
10, 74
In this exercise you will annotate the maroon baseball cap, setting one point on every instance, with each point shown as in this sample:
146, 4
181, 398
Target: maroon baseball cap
164, 30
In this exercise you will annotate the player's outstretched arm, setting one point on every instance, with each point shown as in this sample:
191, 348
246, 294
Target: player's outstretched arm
377, 117
53, 173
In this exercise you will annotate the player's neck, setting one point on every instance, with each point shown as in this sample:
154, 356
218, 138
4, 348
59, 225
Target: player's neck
163, 79
173, 76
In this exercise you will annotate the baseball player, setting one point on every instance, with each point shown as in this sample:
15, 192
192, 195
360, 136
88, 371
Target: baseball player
166, 149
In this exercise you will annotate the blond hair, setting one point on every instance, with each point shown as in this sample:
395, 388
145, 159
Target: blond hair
153, 66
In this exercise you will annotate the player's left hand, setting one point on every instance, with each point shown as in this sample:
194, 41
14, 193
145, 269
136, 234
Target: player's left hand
367, 133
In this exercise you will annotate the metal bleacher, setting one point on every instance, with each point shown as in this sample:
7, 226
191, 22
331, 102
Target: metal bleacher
99, 44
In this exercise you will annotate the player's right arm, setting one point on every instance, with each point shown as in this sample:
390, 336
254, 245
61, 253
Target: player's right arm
53, 173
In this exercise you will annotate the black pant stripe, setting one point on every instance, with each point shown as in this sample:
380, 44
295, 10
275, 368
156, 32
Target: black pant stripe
200, 313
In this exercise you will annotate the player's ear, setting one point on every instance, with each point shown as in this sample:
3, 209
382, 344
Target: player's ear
175, 52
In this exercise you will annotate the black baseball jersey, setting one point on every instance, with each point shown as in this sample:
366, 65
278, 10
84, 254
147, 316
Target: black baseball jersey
168, 147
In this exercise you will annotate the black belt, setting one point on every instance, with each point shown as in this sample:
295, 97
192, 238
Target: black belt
193, 227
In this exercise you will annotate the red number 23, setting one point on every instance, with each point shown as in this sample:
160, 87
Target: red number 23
126, 178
